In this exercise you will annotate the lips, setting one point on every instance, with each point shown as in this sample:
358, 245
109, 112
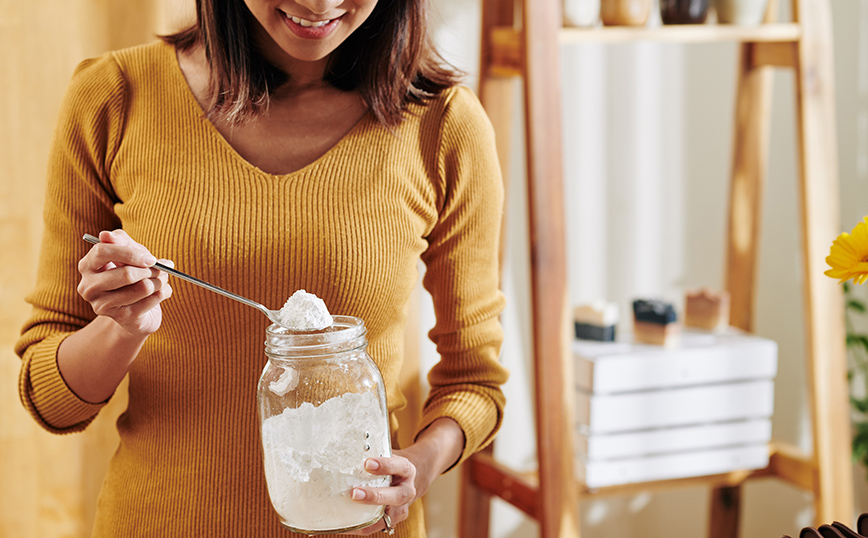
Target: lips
308, 24
310, 29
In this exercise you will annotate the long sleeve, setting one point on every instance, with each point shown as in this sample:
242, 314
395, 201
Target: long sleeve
79, 199
463, 277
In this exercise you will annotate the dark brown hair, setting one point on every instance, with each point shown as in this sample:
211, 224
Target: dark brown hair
389, 59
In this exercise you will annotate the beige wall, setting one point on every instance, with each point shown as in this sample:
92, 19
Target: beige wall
49, 483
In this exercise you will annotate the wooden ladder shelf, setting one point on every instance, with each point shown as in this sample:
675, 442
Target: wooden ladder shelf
521, 38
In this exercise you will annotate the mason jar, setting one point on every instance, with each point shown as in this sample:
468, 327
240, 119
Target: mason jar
322, 412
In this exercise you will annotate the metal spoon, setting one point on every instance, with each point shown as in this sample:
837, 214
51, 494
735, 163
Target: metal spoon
271, 314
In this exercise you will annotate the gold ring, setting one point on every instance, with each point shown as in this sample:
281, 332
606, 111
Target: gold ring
388, 522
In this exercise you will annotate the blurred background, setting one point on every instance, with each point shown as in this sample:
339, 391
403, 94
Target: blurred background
648, 140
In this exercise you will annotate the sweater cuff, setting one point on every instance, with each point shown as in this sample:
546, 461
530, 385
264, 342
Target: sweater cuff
47, 396
475, 414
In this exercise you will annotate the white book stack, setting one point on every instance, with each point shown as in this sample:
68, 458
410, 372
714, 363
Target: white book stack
647, 413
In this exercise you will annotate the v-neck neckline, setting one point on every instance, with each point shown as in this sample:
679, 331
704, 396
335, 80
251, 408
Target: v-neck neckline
178, 75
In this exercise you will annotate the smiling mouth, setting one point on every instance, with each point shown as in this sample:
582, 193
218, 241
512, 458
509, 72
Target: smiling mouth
308, 23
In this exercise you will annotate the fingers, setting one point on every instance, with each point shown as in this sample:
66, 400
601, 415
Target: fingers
402, 491
116, 248
119, 281
397, 466
394, 515
137, 297
123, 277
396, 498
398, 513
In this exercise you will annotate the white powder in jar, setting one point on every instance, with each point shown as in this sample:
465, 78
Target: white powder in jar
305, 311
288, 381
314, 457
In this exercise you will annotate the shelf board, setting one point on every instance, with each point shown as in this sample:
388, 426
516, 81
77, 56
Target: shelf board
786, 462
687, 33
520, 489
506, 49
734, 478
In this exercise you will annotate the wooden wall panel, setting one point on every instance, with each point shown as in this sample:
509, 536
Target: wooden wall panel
50, 482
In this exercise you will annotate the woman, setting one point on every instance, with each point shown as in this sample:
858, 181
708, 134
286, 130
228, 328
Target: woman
272, 146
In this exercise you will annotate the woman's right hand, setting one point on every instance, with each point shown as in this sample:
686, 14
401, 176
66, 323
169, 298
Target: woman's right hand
120, 283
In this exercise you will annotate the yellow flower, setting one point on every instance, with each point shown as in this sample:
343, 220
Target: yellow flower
849, 255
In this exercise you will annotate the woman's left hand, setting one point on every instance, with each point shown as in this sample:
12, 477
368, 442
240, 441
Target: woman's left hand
397, 498
413, 470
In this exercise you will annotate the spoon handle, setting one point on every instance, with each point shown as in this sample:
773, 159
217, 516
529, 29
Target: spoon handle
193, 280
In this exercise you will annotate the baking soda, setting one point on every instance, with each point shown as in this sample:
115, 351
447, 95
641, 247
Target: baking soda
305, 312
314, 457
288, 381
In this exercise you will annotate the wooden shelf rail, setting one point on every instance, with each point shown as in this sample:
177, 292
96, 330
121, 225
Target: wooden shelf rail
530, 50
506, 42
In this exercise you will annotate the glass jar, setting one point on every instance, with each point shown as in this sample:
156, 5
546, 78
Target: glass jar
322, 411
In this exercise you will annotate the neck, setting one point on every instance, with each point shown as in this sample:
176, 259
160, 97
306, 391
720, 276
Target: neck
302, 75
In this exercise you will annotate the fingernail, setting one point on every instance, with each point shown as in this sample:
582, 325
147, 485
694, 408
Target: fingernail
358, 495
371, 465
150, 260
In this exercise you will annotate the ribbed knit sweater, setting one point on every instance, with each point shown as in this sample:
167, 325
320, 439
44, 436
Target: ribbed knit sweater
133, 150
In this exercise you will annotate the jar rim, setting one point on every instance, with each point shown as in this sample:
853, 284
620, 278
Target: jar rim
345, 334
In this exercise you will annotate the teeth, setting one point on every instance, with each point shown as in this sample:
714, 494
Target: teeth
308, 24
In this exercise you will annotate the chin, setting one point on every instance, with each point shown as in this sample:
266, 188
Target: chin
307, 54
312, 57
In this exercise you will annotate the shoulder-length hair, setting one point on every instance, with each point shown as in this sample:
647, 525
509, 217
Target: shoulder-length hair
389, 59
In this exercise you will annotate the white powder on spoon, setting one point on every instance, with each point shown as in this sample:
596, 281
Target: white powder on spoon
305, 311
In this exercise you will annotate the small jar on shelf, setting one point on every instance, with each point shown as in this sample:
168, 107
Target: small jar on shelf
581, 13
625, 12
683, 11
741, 12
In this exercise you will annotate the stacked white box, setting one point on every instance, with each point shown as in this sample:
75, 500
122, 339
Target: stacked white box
652, 413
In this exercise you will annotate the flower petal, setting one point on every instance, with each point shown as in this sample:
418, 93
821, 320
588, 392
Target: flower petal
860, 238
848, 255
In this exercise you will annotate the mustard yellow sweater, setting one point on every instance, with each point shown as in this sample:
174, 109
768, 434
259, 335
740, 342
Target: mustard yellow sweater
133, 150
